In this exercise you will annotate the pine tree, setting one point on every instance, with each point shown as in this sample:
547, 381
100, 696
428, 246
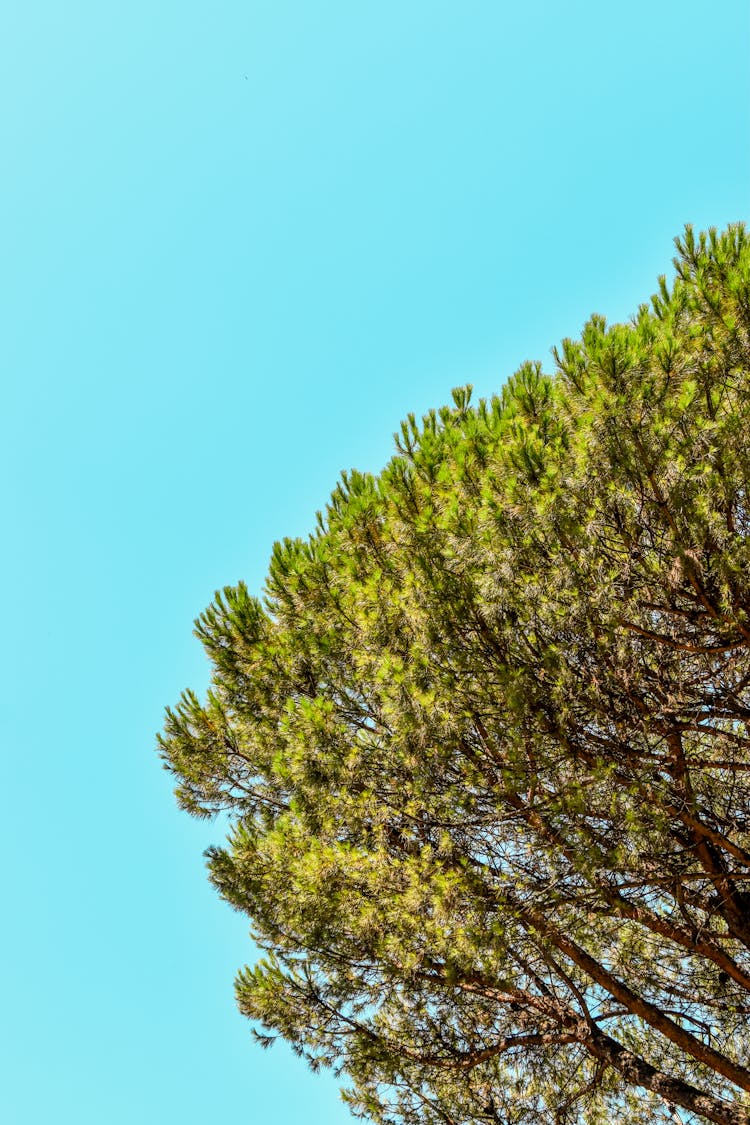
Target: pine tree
484, 741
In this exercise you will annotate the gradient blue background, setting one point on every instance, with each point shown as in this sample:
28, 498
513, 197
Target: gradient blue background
239, 242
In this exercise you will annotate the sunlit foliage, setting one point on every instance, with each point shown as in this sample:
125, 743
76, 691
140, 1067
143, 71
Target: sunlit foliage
484, 741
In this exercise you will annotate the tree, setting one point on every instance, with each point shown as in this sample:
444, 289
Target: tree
484, 743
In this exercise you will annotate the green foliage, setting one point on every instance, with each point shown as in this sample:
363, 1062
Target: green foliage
484, 741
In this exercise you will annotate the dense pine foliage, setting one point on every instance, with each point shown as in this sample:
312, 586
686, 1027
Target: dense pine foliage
484, 741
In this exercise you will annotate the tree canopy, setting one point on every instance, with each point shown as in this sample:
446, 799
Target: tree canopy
484, 741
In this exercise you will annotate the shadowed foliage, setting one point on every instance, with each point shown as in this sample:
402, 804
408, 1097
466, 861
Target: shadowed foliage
484, 742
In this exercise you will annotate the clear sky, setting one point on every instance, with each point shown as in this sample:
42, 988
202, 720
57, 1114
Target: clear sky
239, 242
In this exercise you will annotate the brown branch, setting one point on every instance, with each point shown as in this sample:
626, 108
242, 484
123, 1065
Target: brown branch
638, 1072
637, 1005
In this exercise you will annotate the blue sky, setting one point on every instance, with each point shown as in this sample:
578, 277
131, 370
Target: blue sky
239, 242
